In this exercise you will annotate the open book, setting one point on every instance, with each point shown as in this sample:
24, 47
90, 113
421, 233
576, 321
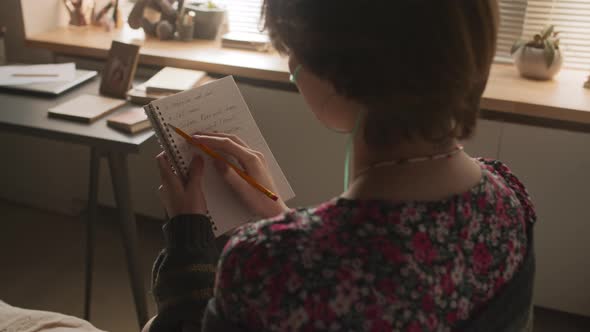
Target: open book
215, 106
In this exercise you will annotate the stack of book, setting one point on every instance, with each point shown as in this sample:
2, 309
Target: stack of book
130, 121
166, 82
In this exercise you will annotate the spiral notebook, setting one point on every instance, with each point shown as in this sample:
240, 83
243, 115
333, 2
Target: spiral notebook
215, 106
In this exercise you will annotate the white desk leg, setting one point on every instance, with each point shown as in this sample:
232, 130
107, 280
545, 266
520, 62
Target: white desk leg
120, 178
90, 222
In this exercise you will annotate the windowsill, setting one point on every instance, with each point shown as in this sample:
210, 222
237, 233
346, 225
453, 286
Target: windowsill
560, 101
207, 55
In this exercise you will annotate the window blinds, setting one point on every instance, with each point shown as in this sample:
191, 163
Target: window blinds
571, 18
512, 14
518, 19
243, 15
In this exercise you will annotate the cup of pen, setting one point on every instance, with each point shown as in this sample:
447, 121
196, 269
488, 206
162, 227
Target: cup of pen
186, 25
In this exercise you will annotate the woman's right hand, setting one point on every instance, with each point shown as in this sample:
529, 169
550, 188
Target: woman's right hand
254, 164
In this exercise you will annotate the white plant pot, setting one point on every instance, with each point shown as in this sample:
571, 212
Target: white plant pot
531, 63
208, 22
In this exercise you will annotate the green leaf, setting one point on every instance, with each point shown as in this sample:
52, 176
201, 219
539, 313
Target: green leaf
517, 46
547, 31
549, 53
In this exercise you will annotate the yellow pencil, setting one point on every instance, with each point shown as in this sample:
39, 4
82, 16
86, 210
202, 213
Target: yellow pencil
217, 156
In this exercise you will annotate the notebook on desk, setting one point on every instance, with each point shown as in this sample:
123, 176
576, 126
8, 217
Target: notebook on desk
166, 82
173, 80
215, 106
85, 108
55, 88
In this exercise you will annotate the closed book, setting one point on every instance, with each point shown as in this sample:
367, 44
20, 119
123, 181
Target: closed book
247, 41
173, 80
139, 95
86, 108
130, 121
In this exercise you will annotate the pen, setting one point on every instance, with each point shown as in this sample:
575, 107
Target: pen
217, 156
35, 75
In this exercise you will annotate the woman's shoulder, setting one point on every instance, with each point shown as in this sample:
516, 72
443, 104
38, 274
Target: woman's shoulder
279, 230
258, 255
501, 176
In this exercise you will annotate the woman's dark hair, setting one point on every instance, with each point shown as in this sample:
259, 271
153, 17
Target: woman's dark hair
419, 66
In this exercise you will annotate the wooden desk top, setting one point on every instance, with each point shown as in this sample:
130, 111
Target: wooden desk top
26, 113
560, 100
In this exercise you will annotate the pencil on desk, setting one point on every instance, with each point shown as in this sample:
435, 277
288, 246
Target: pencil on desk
217, 156
35, 75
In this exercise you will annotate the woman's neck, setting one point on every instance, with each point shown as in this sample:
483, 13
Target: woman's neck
365, 156
426, 180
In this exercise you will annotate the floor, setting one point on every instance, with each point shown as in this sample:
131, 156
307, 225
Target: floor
42, 259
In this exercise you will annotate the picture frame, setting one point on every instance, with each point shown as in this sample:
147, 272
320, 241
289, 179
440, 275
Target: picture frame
118, 73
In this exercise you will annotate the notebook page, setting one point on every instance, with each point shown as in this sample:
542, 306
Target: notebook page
219, 106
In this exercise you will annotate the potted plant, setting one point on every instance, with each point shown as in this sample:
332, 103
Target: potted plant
539, 58
208, 19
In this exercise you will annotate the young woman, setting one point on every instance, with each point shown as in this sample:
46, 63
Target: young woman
424, 237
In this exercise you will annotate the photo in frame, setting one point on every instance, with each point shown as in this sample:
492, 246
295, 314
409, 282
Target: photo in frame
119, 70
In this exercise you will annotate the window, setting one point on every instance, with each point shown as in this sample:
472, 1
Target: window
512, 13
518, 19
571, 18
243, 15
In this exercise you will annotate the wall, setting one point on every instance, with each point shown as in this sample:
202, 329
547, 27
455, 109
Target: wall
40, 16
554, 166
11, 17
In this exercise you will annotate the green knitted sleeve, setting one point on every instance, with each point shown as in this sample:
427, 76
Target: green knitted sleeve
183, 275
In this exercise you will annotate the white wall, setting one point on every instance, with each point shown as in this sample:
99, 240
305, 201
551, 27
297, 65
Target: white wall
554, 165
10, 16
42, 15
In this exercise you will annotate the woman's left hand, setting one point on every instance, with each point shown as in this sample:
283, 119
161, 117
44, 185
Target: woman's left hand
181, 197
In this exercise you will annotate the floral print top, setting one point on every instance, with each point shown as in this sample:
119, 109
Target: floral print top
368, 265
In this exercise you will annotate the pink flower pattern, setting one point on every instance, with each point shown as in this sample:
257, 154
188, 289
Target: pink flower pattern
377, 266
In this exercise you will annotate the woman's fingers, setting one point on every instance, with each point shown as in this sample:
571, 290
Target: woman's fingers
178, 197
196, 170
246, 157
194, 197
232, 137
169, 180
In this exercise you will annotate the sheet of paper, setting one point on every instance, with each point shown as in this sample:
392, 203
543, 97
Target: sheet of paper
17, 75
219, 106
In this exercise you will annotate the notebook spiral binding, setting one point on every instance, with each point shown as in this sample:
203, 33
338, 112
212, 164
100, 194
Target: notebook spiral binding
169, 145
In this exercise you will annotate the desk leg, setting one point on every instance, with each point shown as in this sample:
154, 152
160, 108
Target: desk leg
90, 222
120, 178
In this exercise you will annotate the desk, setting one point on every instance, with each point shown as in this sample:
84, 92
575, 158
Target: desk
26, 114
